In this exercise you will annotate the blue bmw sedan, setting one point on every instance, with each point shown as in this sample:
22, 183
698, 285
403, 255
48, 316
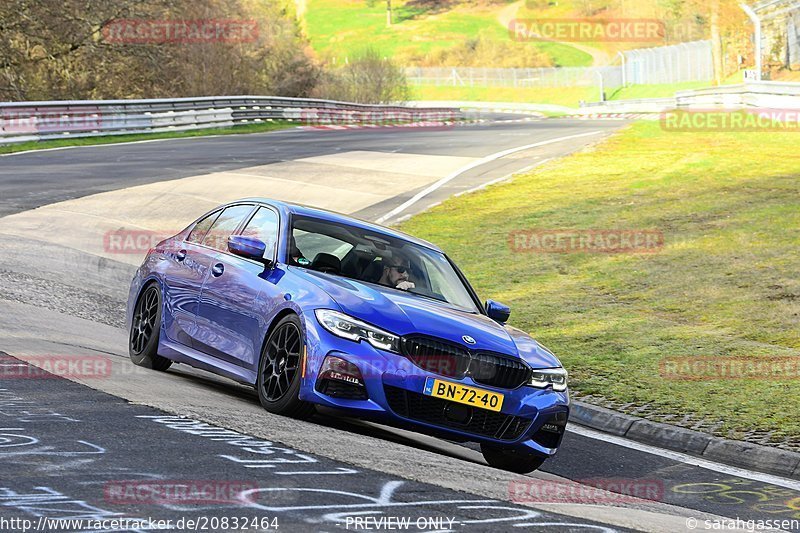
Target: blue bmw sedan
315, 308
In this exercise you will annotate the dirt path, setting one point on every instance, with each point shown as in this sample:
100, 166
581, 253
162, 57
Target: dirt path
599, 57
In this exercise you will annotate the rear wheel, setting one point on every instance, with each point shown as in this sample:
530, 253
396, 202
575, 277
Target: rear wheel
279, 371
511, 460
145, 328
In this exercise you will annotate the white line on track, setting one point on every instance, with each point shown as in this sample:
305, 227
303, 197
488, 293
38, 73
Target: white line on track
686, 459
420, 195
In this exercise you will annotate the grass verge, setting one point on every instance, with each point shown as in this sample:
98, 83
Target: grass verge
724, 285
113, 139
654, 91
567, 96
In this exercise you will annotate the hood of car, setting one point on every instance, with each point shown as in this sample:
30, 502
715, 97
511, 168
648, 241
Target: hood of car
404, 314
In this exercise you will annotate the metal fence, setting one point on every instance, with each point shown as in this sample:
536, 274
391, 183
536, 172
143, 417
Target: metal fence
669, 64
34, 121
664, 64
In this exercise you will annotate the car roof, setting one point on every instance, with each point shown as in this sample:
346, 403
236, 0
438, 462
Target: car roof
332, 216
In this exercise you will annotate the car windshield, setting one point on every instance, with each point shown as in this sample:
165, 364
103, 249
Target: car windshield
374, 257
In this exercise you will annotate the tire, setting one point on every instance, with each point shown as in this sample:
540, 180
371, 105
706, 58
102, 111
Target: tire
145, 330
511, 460
279, 372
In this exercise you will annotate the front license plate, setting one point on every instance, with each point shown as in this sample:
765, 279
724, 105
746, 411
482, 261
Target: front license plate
454, 392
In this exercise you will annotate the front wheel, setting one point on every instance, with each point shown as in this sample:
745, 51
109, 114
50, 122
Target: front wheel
145, 328
279, 370
511, 460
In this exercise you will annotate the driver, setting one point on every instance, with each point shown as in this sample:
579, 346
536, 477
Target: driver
395, 273
296, 257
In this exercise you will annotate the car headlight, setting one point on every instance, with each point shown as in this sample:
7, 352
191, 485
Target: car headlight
350, 328
545, 377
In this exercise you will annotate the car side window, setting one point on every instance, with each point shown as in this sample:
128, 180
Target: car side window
201, 228
226, 223
264, 227
311, 244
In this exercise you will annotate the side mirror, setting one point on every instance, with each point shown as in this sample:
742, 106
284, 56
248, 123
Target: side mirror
247, 247
497, 311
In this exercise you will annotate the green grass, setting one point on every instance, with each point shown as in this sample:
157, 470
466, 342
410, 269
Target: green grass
725, 284
344, 28
564, 55
735, 78
112, 139
653, 91
567, 96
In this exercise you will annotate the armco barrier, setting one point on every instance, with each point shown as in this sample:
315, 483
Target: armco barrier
34, 121
765, 94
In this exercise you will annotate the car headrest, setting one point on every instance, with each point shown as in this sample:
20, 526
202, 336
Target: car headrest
326, 263
373, 271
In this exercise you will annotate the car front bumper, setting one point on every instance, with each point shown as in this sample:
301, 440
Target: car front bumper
531, 419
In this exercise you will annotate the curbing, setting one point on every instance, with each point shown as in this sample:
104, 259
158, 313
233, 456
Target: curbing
751, 455
681, 439
731, 452
600, 418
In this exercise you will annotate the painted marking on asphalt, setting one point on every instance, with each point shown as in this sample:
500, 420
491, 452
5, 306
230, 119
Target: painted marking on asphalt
687, 459
489, 158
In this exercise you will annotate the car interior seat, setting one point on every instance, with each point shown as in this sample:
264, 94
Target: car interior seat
373, 271
326, 263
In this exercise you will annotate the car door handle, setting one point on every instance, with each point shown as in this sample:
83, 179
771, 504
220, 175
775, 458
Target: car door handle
180, 256
217, 270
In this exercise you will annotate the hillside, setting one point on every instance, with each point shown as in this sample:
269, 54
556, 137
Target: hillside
420, 33
475, 33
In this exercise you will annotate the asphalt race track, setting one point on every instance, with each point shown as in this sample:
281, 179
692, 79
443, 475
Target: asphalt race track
80, 448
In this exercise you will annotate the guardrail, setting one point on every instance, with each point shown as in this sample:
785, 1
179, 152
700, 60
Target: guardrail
765, 94
35, 121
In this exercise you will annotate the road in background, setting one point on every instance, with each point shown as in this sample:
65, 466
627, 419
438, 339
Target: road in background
32, 179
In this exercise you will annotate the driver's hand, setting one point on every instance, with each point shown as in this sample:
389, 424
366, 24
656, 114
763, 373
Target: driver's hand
405, 285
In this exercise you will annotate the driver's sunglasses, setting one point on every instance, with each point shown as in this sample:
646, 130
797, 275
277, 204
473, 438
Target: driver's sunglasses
400, 269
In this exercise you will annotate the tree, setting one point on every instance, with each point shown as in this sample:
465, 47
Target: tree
368, 79
371, 3
66, 49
